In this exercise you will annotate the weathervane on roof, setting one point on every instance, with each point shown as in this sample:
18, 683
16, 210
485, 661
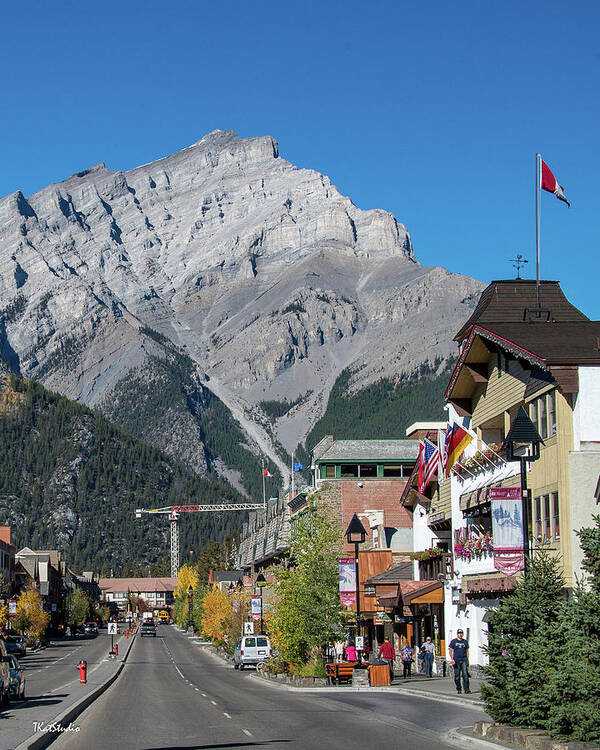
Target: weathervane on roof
517, 263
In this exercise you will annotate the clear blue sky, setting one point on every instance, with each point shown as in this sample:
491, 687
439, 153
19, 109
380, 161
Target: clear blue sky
432, 110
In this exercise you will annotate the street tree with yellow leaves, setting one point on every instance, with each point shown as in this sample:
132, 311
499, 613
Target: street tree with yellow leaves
30, 617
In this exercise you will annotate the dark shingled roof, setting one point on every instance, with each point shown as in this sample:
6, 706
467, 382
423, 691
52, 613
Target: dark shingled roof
395, 574
576, 342
506, 302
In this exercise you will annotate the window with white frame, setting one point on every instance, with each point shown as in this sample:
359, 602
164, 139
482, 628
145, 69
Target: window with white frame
543, 414
546, 517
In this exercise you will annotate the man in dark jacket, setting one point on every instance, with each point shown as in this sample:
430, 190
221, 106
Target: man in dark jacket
459, 653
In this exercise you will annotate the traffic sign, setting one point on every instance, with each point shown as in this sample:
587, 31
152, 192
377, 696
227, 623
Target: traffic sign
112, 628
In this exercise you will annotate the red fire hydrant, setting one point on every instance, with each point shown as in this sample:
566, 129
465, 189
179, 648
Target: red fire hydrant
82, 667
116, 649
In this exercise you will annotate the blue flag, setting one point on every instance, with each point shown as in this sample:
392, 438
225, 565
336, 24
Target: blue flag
298, 466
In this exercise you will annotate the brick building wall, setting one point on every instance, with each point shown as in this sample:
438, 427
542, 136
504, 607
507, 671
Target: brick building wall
343, 498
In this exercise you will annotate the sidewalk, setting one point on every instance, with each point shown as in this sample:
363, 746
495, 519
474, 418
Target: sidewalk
442, 688
28, 725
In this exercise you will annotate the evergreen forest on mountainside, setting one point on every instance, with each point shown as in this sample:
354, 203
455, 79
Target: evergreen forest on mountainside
381, 410
149, 403
71, 480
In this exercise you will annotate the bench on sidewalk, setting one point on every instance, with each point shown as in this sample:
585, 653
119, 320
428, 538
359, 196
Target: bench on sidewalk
338, 672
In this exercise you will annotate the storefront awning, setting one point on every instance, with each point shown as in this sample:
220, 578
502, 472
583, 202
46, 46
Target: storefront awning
481, 496
421, 592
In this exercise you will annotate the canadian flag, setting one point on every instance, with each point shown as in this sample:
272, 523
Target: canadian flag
267, 473
550, 183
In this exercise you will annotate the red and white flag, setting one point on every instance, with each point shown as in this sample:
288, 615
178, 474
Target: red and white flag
550, 183
267, 473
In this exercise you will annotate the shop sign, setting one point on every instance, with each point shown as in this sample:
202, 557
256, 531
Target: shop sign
256, 607
347, 577
381, 617
437, 517
399, 619
507, 529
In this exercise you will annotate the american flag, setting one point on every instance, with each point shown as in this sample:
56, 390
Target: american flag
429, 457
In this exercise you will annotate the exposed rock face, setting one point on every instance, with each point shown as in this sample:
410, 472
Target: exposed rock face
269, 278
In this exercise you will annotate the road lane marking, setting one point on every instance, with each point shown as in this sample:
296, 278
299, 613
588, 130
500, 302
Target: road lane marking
214, 703
203, 695
246, 732
226, 714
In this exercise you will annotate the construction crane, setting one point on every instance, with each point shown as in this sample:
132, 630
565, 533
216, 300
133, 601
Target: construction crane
173, 512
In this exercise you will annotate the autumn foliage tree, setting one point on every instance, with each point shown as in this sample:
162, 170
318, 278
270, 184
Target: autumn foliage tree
306, 612
30, 618
217, 615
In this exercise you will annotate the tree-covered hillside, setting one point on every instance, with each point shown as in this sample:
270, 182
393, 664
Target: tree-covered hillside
166, 404
382, 410
71, 480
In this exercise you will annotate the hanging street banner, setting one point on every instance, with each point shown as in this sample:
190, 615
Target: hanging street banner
507, 529
347, 572
256, 607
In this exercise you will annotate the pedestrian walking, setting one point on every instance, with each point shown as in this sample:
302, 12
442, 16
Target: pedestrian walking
459, 653
350, 653
406, 654
428, 651
366, 651
330, 653
388, 654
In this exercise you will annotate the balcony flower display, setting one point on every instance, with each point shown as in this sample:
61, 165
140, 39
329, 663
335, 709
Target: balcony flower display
484, 460
427, 554
474, 547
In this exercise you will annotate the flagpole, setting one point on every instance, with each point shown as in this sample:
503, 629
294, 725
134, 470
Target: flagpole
264, 492
538, 211
292, 477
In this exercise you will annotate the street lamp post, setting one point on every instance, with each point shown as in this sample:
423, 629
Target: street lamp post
523, 445
190, 594
261, 581
356, 534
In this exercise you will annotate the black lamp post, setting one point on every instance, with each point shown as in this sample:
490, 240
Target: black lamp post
190, 594
523, 444
356, 534
261, 581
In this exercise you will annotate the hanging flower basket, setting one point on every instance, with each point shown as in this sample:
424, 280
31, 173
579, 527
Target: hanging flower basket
427, 554
474, 548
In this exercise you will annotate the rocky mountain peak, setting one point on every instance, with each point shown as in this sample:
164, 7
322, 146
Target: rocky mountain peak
263, 273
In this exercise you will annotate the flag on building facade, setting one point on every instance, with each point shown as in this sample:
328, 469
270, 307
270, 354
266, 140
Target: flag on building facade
457, 439
267, 473
550, 183
298, 466
429, 457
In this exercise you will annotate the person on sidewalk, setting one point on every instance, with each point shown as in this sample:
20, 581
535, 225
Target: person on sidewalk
428, 650
406, 654
388, 654
350, 653
459, 654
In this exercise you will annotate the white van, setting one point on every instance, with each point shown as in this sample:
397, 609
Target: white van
251, 649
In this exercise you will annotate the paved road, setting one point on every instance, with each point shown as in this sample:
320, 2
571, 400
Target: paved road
173, 696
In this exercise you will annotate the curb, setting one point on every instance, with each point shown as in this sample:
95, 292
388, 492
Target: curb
39, 741
456, 735
368, 689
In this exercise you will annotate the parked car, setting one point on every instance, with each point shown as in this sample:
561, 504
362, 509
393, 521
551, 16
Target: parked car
15, 644
90, 628
17, 678
147, 628
251, 649
4, 675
